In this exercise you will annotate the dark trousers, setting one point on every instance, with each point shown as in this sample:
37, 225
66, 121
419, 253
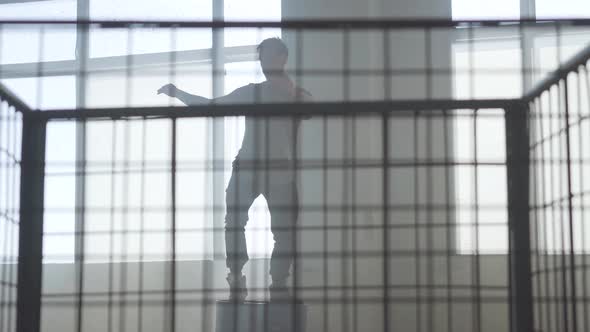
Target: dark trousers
244, 186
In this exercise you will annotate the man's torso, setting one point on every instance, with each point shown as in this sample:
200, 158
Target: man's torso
269, 145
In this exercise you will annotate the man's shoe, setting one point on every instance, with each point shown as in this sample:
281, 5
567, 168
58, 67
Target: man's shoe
237, 287
281, 292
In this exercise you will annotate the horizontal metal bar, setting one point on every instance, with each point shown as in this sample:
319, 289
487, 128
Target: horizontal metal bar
419, 23
136, 209
289, 109
98, 66
339, 300
192, 291
212, 230
409, 252
13, 100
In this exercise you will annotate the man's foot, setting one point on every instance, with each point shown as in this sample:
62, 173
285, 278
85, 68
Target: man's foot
281, 292
237, 287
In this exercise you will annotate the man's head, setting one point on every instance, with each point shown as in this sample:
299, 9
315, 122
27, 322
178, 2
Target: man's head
273, 54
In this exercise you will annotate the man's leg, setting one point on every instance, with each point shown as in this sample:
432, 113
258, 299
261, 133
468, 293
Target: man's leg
240, 194
284, 208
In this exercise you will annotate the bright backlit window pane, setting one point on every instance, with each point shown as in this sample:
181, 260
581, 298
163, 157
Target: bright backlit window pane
113, 42
562, 8
257, 10
483, 9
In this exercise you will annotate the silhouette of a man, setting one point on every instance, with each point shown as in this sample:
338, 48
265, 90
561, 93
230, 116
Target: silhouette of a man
264, 165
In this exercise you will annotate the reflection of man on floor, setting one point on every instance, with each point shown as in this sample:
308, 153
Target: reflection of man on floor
264, 165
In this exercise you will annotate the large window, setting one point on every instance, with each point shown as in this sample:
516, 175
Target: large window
482, 222
478, 73
125, 67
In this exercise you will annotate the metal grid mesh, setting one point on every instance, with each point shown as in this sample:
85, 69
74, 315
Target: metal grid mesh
559, 203
343, 250
10, 143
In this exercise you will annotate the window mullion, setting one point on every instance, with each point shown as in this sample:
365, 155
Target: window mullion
217, 128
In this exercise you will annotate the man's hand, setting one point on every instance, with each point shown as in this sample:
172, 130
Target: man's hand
168, 89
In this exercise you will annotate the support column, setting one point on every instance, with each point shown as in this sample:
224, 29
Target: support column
30, 248
517, 160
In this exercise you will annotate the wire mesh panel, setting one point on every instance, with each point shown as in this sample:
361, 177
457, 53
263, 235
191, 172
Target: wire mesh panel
398, 216
10, 145
559, 202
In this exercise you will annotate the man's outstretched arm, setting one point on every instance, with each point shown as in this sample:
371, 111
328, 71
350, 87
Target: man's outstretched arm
185, 97
236, 96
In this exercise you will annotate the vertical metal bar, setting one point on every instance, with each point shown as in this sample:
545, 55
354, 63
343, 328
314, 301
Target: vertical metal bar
570, 210
511, 325
123, 289
417, 226
475, 269
218, 128
346, 188
325, 238
82, 55
173, 231
125, 172
385, 226
4, 210
82, 50
559, 202
585, 293
428, 226
173, 36
385, 146
15, 137
30, 264
448, 217
545, 212
4, 201
540, 205
112, 217
535, 222
525, 61
550, 201
266, 172
345, 248
549, 215
9, 163
140, 300
517, 162
477, 266
295, 153
217, 153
